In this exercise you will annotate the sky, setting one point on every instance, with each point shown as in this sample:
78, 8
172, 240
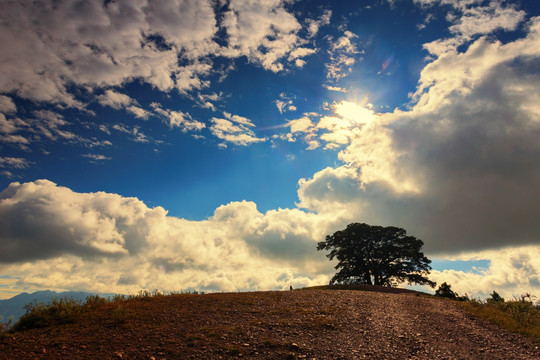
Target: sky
209, 145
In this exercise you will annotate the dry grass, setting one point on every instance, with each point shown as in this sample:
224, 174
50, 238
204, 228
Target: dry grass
518, 315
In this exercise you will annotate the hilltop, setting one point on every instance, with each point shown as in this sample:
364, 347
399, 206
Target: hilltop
315, 323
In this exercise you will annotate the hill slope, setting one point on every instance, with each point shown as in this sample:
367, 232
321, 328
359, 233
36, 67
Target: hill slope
316, 323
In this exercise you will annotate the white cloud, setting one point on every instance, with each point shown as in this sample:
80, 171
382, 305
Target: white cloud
314, 25
119, 101
96, 157
458, 169
178, 119
285, 103
264, 32
106, 242
336, 130
136, 134
49, 47
12, 125
486, 19
511, 272
343, 55
207, 100
138, 112
471, 20
44, 124
115, 100
234, 129
100, 45
303, 124
12, 162
7, 105
335, 88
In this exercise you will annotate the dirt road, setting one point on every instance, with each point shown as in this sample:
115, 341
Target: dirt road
300, 324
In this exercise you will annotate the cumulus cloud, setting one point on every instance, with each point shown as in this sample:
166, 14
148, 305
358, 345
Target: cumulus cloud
511, 272
106, 242
234, 129
63, 54
458, 169
263, 31
49, 47
470, 20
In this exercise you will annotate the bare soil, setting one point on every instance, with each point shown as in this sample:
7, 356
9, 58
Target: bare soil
299, 324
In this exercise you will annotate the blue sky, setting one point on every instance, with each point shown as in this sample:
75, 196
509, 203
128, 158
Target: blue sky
211, 144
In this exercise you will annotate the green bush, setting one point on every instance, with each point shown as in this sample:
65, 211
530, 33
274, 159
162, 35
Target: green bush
58, 311
68, 310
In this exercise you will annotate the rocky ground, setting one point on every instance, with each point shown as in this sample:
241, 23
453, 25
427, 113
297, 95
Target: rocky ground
299, 324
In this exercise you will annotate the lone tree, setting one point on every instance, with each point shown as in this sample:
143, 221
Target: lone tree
376, 255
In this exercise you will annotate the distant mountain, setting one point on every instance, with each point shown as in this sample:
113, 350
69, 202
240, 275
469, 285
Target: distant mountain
14, 308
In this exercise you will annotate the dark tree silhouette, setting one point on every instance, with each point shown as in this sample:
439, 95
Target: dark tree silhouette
376, 255
445, 290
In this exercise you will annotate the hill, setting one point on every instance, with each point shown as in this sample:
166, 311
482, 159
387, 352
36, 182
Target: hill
313, 324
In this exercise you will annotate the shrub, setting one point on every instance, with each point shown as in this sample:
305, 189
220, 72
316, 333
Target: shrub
94, 301
119, 315
495, 298
445, 290
4, 330
58, 311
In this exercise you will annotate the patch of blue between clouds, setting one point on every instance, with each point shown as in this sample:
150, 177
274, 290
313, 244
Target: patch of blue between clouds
468, 266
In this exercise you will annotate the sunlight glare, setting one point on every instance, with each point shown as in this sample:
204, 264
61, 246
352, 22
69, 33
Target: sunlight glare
354, 112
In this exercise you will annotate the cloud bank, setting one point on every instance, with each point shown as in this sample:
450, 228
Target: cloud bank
55, 238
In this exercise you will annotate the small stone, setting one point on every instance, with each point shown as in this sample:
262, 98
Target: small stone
119, 355
44, 351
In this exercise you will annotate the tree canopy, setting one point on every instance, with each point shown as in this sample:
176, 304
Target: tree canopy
376, 255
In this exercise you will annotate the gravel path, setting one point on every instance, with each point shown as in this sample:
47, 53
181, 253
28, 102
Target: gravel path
300, 324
